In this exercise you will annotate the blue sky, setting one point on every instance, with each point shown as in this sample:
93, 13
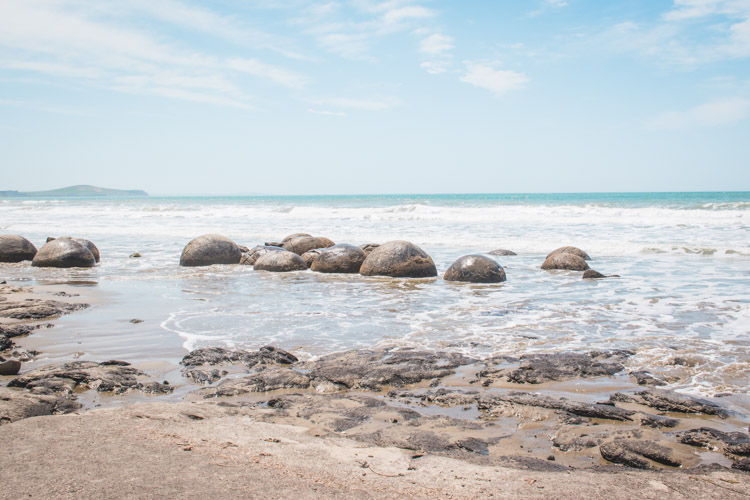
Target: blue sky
369, 96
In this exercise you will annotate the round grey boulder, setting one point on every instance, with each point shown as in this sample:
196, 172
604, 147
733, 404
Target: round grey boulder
369, 247
475, 269
574, 250
280, 262
398, 259
310, 255
501, 252
567, 261
249, 258
302, 244
15, 248
10, 367
295, 235
64, 252
210, 249
341, 258
88, 244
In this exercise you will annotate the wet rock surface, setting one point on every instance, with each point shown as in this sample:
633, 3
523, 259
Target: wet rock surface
252, 255
14, 248
36, 309
501, 252
310, 255
117, 377
210, 249
399, 259
590, 274
302, 244
572, 407
19, 404
64, 252
9, 366
280, 262
635, 453
570, 250
540, 368
475, 269
367, 248
340, 258
671, 401
87, 243
565, 261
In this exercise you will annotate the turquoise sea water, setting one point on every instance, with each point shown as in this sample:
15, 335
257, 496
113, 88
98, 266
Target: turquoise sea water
684, 259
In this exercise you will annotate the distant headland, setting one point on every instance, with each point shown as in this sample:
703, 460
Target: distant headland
78, 191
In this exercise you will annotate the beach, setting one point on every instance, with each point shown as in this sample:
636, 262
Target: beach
548, 384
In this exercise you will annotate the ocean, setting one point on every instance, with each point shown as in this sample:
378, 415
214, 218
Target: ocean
682, 303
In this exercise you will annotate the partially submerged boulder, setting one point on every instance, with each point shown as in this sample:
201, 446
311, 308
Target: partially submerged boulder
501, 252
369, 247
302, 244
399, 259
251, 256
64, 252
280, 262
566, 261
14, 248
210, 249
9, 366
87, 243
572, 250
590, 274
309, 256
475, 269
295, 235
340, 258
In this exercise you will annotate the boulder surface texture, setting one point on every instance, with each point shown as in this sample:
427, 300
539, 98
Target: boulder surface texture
210, 249
302, 244
341, 258
568, 261
574, 250
64, 252
475, 269
280, 262
398, 259
15, 248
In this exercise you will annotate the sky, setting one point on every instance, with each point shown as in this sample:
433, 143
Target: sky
375, 96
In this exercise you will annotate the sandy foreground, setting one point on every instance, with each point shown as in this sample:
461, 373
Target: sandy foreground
144, 447
203, 450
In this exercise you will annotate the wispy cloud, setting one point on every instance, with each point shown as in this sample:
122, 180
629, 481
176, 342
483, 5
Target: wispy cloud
711, 114
367, 104
436, 44
499, 82
340, 114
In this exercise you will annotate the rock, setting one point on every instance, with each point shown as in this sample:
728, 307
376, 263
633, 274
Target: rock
266, 379
248, 258
282, 261
629, 452
203, 377
369, 247
210, 249
243, 248
64, 252
500, 252
302, 244
88, 244
16, 405
645, 378
567, 261
742, 464
540, 368
295, 235
658, 421
109, 376
577, 443
273, 243
35, 309
570, 250
15, 248
398, 259
573, 407
135, 255
340, 258
475, 269
590, 274
212, 356
9, 367
309, 257
707, 437
371, 370
671, 401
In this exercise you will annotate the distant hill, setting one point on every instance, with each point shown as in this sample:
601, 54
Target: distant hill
81, 190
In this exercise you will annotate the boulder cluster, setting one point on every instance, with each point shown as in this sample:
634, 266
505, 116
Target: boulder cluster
56, 252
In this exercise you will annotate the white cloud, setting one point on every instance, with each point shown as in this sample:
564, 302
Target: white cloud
360, 104
326, 113
556, 3
260, 69
397, 15
434, 67
711, 114
499, 82
436, 44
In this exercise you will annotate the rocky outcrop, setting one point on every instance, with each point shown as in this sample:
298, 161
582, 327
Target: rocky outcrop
501, 252
280, 262
302, 244
671, 401
117, 377
251, 256
19, 404
198, 365
399, 259
475, 269
64, 252
540, 368
15, 248
264, 379
35, 309
570, 250
210, 249
565, 261
634, 453
340, 258
580, 409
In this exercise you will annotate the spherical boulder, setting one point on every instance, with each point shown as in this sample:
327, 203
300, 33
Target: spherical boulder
340, 258
15, 248
210, 249
568, 261
88, 244
64, 252
292, 236
574, 250
9, 367
302, 244
398, 259
249, 258
501, 252
310, 255
280, 262
590, 274
369, 247
475, 269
